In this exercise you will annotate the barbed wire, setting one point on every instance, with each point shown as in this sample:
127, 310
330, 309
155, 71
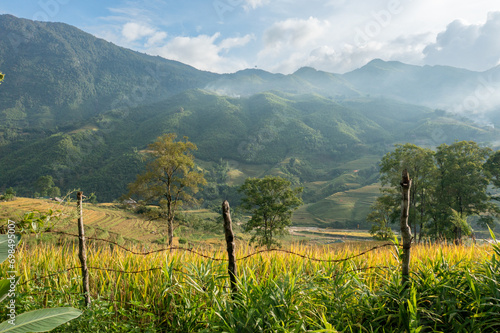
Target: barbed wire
171, 248
205, 256
315, 259
96, 268
50, 275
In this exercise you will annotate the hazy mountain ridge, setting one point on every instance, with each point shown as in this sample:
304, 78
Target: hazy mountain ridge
455, 90
305, 80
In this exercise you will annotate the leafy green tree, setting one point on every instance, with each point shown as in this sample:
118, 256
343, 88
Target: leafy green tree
492, 166
454, 178
383, 213
420, 165
92, 198
460, 222
271, 201
9, 194
221, 171
170, 179
463, 182
54, 192
44, 184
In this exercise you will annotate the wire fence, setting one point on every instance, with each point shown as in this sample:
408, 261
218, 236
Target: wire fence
177, 248
231, 258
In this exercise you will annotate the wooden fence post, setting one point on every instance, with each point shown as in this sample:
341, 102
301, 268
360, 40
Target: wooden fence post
405, 229
228, 229
83, 249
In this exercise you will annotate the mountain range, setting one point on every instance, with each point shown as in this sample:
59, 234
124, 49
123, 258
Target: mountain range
82, 110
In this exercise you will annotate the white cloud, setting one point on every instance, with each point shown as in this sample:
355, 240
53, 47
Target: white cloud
284, 35
253, 4
156, 38
230, 43
327, 45
294, 33
133, 31
203, 52
472, 46
341, 58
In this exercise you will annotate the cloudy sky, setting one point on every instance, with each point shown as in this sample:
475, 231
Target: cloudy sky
283, 35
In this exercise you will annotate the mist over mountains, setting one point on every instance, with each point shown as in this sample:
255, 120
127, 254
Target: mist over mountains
81, 109
458, 91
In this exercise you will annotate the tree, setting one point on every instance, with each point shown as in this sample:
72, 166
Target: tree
44, 184
420, 165
454, 178
46, 187
92, 198
492, 166
1, 77
462, 182
271, 201
221, 171
383, 213
170, 180
9, 195
54, 192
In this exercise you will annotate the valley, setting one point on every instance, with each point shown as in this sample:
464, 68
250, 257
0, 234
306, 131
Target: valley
310, 163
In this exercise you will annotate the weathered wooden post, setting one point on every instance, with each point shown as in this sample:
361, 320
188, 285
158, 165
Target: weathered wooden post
83, 249
405, 229
228, 229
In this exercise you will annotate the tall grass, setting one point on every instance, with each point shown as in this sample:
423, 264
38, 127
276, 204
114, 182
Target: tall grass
453, 289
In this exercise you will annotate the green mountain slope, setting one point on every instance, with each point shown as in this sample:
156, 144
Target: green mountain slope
57, 75
305, 137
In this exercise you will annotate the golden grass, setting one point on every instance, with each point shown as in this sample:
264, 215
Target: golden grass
148, 286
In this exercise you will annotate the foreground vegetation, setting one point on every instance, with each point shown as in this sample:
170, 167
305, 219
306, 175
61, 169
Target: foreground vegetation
453, 288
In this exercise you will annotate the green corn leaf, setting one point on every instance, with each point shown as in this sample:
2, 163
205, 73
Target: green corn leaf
4, 246
40, 320
5, 287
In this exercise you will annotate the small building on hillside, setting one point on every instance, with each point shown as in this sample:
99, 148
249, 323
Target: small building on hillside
130, 203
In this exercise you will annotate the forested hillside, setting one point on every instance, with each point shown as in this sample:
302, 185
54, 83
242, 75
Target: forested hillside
59, 75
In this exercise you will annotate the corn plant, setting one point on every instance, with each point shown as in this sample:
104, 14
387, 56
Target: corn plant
452, 288
34, 321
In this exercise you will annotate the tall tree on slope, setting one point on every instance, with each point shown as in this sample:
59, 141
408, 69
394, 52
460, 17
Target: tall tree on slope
170, 179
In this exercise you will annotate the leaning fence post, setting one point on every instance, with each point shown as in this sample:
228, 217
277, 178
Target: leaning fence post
83, 249
405, 229
228, 229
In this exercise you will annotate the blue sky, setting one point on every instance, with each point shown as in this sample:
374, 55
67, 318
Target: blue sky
283, 35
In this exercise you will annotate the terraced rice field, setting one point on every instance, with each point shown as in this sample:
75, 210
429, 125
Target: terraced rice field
351, 205
97, 218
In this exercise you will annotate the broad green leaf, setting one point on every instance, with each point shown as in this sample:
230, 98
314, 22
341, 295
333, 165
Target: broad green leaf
5, 287
40, 320
4, 246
